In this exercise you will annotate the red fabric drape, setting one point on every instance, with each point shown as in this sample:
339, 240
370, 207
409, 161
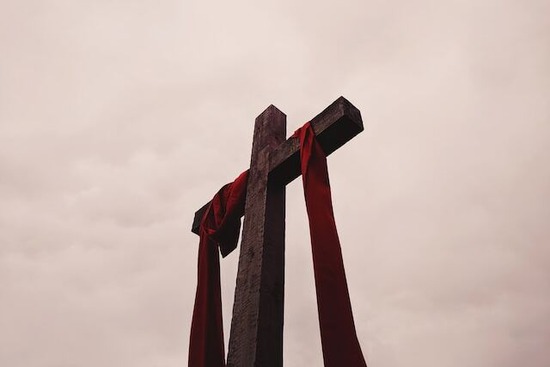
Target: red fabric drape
338, 337
220, 228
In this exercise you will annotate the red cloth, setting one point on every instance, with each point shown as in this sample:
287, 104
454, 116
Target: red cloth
220, 227
338, 336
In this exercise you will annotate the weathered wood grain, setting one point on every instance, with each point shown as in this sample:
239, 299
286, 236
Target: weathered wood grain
256, 337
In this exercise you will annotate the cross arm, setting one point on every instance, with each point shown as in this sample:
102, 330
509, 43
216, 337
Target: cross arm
335, 126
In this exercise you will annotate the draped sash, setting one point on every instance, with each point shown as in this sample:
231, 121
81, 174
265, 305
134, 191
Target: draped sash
220, 229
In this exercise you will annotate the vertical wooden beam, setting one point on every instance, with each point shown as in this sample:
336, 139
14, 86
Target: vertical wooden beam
256, 337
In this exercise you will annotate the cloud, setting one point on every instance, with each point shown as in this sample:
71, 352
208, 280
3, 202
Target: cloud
119, 119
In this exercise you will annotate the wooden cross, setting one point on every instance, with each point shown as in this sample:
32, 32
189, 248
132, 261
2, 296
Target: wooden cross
256, 337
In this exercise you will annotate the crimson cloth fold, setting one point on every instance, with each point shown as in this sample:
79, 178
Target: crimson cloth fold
338, 336
219, 228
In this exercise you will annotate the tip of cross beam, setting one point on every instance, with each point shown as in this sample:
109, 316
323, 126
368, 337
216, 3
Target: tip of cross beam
272, 109
342, 99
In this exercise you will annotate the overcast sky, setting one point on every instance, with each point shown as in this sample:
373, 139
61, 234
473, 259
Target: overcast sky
118, 119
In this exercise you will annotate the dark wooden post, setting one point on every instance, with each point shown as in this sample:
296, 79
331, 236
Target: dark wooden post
256, 338
257, 325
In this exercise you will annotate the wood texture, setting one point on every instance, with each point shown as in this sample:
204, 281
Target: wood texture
256, 337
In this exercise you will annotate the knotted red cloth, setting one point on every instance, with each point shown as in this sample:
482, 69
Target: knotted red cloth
220, 227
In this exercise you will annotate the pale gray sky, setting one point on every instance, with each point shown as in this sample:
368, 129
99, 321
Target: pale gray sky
119, 118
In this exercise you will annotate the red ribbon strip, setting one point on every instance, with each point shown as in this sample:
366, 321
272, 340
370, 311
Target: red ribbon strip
338, 336
220, 228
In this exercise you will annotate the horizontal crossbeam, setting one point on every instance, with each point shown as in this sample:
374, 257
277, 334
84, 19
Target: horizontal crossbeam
333, 127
